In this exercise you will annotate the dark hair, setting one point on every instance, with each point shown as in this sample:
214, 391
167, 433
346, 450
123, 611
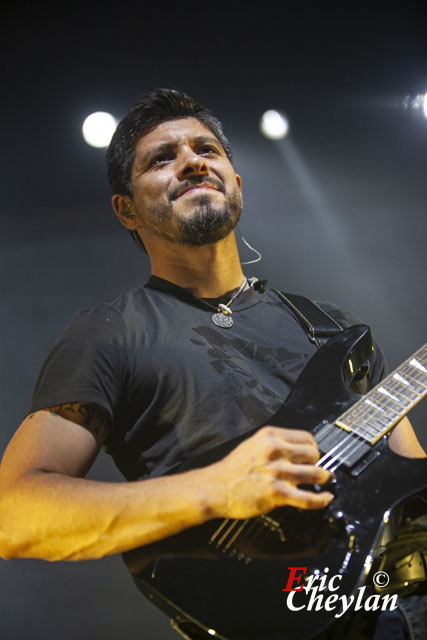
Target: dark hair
152, 108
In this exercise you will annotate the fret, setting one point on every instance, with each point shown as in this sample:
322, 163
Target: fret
355, 426
412, 384
399, 389
415, 372
415, 375
388, 403
420, 356
391, 400
364, 419
375, 414
415, 362
421, 353
376, 420
365, 409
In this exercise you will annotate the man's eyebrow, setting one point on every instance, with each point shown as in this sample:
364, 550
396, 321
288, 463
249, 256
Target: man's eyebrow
204, 139
169, 146
160, 148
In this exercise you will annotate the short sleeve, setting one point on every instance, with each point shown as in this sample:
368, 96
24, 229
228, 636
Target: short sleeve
86, 364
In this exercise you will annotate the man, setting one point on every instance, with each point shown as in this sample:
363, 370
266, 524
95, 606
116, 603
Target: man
157, 376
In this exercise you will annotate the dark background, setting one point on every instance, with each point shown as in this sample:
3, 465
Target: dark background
338, 209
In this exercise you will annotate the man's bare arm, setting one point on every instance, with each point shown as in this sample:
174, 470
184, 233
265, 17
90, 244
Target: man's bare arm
404, 441
49, 510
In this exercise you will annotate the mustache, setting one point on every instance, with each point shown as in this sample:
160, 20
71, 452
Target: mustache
195, 182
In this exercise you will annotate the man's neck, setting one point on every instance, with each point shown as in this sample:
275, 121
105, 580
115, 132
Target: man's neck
211, 271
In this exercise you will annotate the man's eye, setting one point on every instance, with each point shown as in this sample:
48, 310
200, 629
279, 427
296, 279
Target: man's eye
207, 148
160, 159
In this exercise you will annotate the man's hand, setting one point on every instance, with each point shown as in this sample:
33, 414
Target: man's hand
265, 472
48, 510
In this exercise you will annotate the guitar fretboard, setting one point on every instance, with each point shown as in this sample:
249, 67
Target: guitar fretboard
375, 414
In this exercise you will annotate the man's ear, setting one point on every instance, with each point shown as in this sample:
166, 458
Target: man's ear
124, 210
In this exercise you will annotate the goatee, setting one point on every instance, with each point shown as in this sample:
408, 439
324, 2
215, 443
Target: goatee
208, 224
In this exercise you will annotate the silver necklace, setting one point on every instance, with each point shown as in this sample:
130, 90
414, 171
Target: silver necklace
222, 317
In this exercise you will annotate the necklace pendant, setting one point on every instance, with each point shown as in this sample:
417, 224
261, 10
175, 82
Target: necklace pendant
224, 309
222, 320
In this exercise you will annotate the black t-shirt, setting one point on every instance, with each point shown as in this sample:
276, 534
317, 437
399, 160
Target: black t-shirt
173, 382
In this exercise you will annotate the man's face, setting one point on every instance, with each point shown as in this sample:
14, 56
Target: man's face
185, 189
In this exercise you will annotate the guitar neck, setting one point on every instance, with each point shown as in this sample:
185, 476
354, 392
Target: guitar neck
376, 413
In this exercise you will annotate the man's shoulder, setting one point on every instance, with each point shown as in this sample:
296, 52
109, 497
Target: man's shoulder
342, 315
120, 308
107, 321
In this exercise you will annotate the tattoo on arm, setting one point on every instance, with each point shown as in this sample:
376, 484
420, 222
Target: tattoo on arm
91, 416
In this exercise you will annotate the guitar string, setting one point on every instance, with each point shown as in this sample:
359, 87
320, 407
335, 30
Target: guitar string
261, 535
261, 529
340, 449
342, 446
345, 444
234, 522
343, 460
218, 530
230, 528
351, 439
234, 537
248, 531
357, 434
254, 523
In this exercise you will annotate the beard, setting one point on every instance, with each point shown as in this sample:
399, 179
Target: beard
207, 225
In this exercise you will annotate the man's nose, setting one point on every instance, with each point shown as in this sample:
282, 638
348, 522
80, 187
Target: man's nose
192, 165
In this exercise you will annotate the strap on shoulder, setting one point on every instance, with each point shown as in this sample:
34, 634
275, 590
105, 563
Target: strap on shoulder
317, 323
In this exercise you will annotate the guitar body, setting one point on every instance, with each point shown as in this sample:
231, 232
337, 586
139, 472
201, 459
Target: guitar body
231, 583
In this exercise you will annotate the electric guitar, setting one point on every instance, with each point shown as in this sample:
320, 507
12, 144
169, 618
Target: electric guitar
226, 578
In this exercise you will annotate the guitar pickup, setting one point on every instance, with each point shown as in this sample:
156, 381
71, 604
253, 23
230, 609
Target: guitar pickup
369, 459
346, 447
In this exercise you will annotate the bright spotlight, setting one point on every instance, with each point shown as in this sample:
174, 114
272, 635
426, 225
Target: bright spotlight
274, 125
416, 104
98, 129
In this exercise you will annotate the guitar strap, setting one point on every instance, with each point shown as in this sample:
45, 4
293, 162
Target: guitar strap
317, 323
320, 326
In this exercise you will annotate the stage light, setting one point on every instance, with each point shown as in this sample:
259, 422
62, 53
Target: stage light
98, 129
274, 125
416, 104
